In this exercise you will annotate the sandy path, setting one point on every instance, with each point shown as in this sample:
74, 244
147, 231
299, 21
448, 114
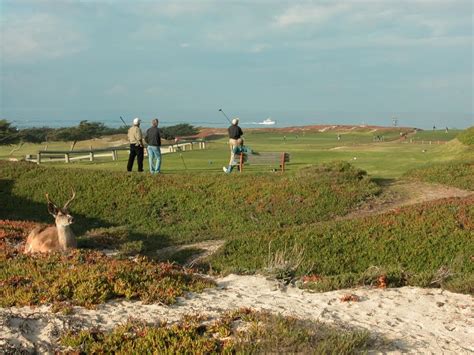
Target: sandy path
412, 319
402, 193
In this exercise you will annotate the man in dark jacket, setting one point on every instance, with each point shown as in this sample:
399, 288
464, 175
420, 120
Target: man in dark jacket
154, 143
235, 140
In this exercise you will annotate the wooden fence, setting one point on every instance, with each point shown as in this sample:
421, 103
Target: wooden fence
44, 156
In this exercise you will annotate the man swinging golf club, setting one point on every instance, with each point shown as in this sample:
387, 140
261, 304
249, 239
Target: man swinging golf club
235, 140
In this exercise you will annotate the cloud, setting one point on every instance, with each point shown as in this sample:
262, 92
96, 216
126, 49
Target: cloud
310, 14
260, 47
116, 90
173, 9
154, 91
149, 31
38, 36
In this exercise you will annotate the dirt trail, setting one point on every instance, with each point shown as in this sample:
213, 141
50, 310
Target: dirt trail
401, 193
203, 250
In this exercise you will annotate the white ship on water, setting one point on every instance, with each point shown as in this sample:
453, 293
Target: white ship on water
267, 121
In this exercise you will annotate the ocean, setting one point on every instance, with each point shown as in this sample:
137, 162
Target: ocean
248, 118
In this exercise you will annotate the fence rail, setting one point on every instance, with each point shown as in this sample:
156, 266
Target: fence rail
44, 156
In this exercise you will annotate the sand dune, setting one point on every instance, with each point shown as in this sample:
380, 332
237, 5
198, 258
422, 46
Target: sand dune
412, 319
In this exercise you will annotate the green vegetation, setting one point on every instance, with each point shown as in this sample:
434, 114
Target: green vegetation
242, 331
8, 133
467, 136
388, 159
88, 278
171, 209
424, 245
183, 129
457, 173
84, 131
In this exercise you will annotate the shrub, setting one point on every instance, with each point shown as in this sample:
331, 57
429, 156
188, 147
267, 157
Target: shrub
243, 332
87, 278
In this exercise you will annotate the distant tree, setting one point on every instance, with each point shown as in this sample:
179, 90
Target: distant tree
179, 130
8, 133
35, 135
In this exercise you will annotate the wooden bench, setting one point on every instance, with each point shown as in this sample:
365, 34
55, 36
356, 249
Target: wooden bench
264, 158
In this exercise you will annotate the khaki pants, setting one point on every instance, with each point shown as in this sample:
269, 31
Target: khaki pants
232, 144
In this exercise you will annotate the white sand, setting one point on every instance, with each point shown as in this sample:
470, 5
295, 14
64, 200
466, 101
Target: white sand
413, 319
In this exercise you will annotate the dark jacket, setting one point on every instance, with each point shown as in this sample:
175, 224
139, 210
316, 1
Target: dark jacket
235, 132
153, 136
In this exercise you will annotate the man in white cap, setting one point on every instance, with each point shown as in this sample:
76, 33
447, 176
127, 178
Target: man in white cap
235, 140
135, 137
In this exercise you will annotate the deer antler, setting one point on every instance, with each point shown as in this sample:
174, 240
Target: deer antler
52, 208
49, 201
71, 199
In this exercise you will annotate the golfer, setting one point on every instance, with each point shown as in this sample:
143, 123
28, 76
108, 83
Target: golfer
235, 140
153, 140
135, 137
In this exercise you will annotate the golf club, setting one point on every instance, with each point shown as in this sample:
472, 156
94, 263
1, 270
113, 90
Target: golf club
181, 155
225, 115
123, 121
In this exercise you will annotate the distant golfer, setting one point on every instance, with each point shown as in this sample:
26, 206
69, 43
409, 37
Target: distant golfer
153, 140
235, 140
135, 137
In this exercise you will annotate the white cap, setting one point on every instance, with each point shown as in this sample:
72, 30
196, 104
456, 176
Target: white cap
136, 121
235, 121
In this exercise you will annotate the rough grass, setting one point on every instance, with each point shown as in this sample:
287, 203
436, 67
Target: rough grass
427, 245
173, 209
458, 174
243, 331
467, 136
85, 278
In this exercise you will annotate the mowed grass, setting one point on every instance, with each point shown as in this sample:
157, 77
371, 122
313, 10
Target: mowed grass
388, 159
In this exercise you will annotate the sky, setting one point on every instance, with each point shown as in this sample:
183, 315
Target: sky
300, 62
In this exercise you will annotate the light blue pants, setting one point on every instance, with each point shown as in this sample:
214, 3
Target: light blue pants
154, 158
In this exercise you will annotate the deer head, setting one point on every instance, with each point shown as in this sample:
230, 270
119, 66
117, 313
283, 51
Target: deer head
61, 215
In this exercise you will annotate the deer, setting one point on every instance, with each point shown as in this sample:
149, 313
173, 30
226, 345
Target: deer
53, 238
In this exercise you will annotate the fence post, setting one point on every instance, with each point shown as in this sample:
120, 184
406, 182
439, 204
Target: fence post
66, 158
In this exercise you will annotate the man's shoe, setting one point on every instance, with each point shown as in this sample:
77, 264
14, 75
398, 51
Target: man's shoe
225, 169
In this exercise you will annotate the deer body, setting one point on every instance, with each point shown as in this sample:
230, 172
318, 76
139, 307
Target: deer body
53, 238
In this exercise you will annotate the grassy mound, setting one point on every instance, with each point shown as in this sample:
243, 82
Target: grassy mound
458, 174
242, 331
467, 136
85, 278
183, 208
425, 245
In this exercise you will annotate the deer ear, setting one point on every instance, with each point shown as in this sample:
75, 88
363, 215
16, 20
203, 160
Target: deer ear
52, 209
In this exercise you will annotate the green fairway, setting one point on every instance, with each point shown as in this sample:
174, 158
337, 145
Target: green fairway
390, 158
